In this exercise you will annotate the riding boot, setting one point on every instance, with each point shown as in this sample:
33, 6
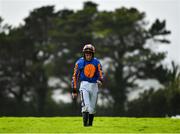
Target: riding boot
85, 118
91, 117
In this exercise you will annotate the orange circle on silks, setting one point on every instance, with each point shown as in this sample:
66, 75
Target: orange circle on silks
89, 70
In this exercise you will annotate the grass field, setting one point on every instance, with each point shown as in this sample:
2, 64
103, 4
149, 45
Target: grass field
101, 125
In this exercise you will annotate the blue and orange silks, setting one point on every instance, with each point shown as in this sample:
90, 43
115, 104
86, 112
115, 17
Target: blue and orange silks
90, 71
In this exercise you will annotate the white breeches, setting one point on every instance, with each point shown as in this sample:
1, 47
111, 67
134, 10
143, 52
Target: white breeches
89, 94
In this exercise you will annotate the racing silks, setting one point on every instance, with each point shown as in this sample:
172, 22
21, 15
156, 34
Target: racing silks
90, 71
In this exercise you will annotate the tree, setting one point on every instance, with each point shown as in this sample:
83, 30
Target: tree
14, 55
172, 90
50, 42
123, 38
37, 27
160, 103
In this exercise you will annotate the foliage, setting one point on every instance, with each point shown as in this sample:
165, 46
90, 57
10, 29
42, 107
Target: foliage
50, 42
124, 39
163, 102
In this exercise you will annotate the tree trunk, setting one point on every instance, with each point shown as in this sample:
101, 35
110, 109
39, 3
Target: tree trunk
120, 92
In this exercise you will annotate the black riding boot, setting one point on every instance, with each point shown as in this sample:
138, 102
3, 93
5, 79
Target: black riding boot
91, 117
85, 118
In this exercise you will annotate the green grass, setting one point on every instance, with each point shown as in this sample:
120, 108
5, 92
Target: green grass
101, 125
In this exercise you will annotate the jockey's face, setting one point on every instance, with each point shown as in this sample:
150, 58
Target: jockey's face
88, 56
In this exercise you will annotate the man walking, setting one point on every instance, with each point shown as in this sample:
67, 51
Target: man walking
88, 71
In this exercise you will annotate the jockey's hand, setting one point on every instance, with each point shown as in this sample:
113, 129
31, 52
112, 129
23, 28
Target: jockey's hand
74, 94
99, 83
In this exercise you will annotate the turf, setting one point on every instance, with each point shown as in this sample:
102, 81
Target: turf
101, 125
